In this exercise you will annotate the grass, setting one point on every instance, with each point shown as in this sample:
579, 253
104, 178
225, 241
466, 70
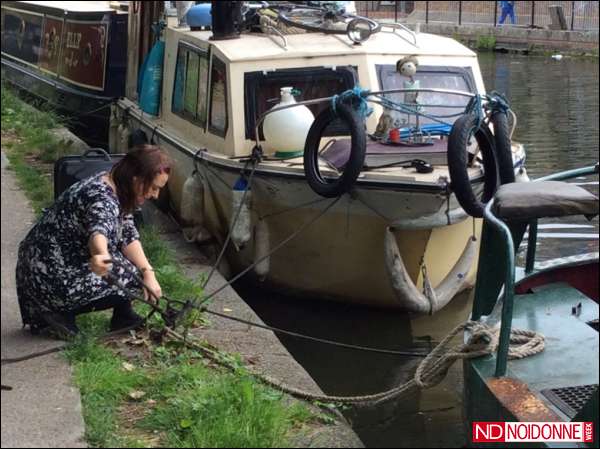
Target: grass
31, 147
135, 393
171, 396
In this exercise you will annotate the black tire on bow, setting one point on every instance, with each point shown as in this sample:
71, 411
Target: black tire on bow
462, 131
331, 188
503, 147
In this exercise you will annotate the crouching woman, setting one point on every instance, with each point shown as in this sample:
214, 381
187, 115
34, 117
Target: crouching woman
64, 259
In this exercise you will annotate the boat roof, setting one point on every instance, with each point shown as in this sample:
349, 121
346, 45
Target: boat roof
258, 46
91, 6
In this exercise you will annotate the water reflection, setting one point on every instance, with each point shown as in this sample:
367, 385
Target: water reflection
556, 103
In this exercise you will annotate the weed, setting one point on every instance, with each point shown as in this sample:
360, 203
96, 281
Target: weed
487, 43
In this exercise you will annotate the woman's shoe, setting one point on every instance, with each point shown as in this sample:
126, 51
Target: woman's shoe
62, 323
124, 317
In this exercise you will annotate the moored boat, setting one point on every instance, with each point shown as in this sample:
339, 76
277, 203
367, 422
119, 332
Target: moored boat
558, 300
365, 217
71, 55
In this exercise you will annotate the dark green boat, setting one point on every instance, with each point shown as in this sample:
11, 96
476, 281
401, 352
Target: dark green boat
558, 300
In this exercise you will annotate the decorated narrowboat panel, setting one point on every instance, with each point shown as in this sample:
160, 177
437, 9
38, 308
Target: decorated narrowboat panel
84, 48
22, 35
71, 55
51, 44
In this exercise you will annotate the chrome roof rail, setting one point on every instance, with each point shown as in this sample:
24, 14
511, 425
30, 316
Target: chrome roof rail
273, 33
396, 28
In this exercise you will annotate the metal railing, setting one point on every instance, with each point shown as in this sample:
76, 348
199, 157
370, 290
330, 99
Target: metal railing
566, 15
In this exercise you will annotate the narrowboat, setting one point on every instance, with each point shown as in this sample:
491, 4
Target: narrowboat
557, 300
70, 55
318, 187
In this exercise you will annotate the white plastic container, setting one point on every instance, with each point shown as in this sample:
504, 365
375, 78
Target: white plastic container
285, 131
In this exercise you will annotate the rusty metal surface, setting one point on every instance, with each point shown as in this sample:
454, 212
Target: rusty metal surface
520, 401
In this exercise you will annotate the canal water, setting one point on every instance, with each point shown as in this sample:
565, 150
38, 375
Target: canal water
557, 107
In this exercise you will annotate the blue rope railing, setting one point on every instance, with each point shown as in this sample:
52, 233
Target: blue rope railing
358, 97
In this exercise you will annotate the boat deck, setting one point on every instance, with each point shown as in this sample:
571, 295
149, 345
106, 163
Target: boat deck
561, 313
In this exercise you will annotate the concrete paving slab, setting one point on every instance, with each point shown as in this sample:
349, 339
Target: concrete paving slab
44, 408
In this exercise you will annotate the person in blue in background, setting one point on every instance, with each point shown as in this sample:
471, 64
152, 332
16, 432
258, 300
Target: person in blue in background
508, 9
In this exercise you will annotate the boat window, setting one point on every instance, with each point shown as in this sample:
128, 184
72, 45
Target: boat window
433, 103
218, 98
262, 91
191, 83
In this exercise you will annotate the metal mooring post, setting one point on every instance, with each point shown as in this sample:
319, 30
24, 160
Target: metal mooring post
572, 15
459, 13
495, 13
396, 11
426, 12
532, 14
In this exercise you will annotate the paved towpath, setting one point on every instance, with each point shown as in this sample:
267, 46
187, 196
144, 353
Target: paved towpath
44, 408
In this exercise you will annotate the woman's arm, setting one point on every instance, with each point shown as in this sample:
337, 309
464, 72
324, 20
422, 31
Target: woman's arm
135, 253
99, 256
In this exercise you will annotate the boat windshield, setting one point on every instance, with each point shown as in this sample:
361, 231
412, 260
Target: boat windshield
430, 105
262, 90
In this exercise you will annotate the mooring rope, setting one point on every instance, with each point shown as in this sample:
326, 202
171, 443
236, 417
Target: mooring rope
430, 372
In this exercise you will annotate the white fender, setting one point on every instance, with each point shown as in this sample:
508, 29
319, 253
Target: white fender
261, 249
242, 230
123, 139
411, 299
113, 131
192, 200
196, 233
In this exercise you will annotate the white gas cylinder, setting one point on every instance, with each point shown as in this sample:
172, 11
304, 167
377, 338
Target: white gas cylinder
286, 130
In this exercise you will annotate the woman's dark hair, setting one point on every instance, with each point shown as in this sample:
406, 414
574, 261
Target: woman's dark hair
144, 162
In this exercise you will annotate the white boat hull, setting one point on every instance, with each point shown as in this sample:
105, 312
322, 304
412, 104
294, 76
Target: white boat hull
341, 255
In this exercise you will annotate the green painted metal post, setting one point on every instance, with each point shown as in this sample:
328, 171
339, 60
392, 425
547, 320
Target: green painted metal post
509, 290
531, 246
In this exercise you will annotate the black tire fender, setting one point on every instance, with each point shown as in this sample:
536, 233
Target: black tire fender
461, 132
503, 147
345, 182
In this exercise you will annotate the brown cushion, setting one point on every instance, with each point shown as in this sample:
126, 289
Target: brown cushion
529, 200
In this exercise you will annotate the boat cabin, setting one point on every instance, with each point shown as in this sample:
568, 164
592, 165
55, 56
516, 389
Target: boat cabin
214, 91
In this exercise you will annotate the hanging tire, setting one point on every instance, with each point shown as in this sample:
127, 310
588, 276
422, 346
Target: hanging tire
461, 132
503, 147
334, 188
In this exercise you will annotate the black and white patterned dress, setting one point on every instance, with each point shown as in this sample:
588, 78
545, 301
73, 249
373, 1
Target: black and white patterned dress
53, 272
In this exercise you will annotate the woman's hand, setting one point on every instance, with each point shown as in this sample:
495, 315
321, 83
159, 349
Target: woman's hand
101, 264
151, 282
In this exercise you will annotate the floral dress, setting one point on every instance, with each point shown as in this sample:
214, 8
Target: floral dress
53, 272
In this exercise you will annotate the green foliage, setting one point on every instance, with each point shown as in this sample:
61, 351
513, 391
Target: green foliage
216, 410
33, 141
195, 406
487, 43
103, 384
